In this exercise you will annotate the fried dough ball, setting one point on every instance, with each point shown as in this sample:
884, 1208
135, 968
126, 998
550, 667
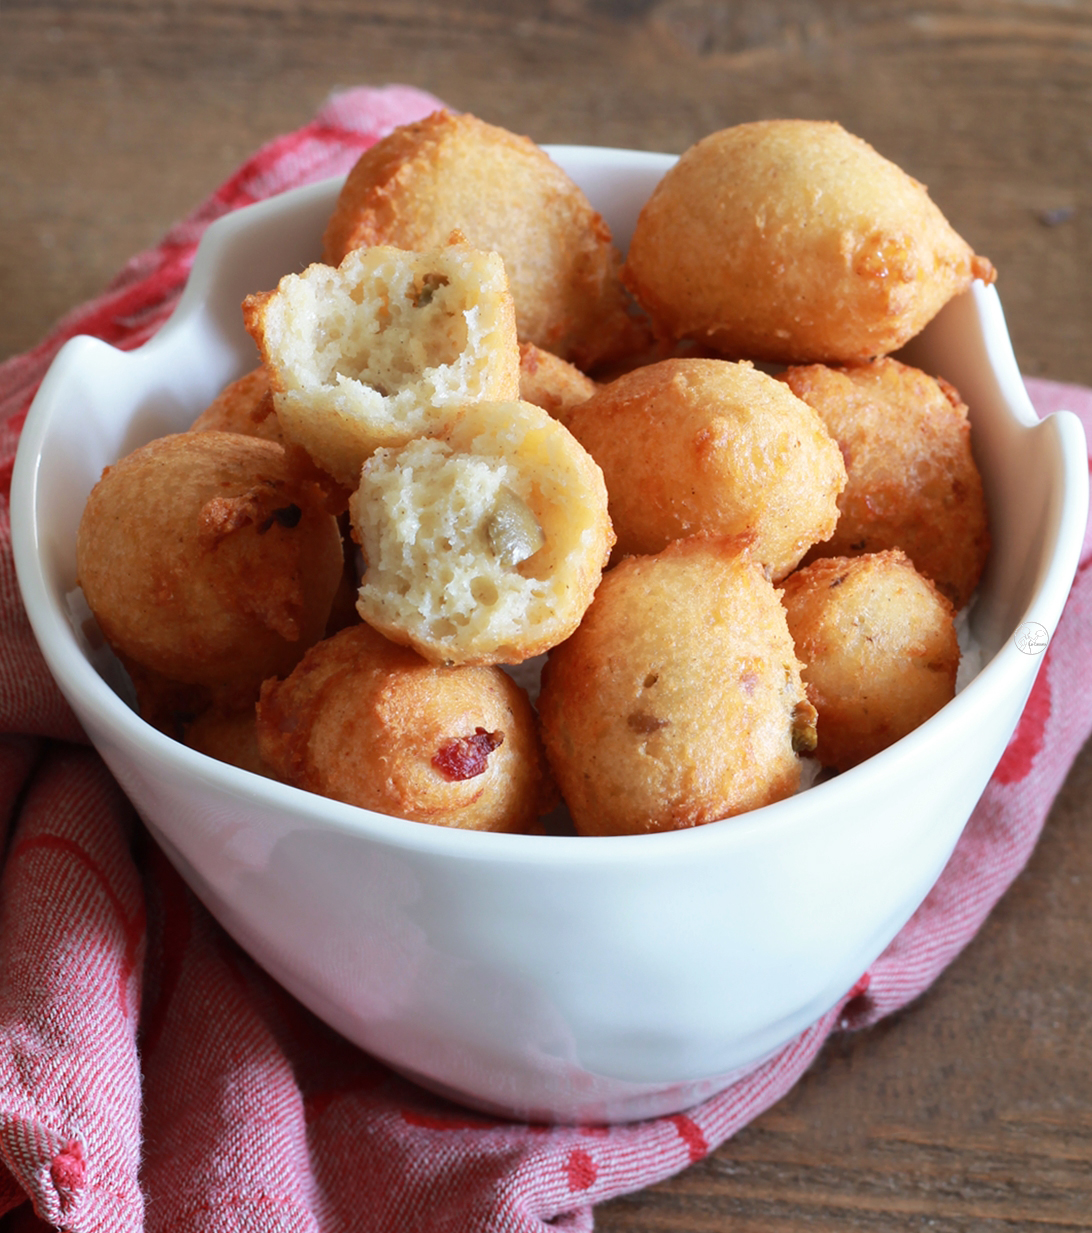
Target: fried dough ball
505, 194
229, 736
372, 724
912, 481
794, 241
484, 545
710, 446
377, 351
552, 383
245, 406
207, 560
678, 700
879, 648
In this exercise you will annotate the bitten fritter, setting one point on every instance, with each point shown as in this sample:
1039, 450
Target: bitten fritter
879, 648
372, 724
485, 544
912, 482
456, 173
207, 560
678, 700
244, 406
699, 446
376, 352
794, 241
552, 383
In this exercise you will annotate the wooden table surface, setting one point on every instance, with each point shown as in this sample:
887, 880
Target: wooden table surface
971, 1110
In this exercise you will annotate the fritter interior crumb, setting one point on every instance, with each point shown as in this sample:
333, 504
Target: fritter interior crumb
376, 352
484, 545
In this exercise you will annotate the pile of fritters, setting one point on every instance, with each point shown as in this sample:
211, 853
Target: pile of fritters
473, 407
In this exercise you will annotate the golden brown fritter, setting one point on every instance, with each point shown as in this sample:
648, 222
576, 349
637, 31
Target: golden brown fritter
372, 724
693, 446
794, 241
503, 193
207, 560
229, 736
879, 649
244, 406
678, 700
552, 383
912, 481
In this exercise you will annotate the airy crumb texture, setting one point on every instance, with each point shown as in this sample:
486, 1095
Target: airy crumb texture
485, 545
377, 351
678, 701
372, 724
879, 647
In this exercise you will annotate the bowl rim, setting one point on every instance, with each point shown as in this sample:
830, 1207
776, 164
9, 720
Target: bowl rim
89, 692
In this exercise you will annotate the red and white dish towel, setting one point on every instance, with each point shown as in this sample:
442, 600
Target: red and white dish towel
153, 1078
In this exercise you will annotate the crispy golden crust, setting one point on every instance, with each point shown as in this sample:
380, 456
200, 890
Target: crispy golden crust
676, 700
793, 241
370, 723
552, 383
912, 481
503, 193
208, 561
484, 545
245, 406
692, 446
879, 649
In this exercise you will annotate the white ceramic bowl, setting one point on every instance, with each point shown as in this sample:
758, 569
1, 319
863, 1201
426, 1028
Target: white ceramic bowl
546, 977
